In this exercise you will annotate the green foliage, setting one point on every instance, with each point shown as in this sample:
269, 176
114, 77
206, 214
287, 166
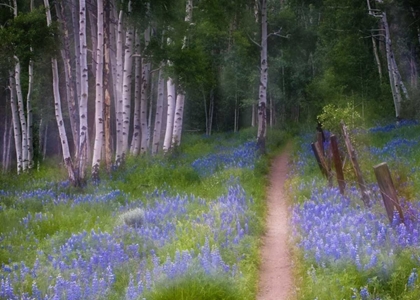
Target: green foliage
332, 115
28, 37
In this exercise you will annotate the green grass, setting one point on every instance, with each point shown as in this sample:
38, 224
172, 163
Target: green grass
140, 175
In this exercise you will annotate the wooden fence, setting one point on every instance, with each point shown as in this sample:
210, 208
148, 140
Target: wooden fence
326, 157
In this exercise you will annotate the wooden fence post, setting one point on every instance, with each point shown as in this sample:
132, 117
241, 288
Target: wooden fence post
321, 161
320, 141
318, 159
389, 195
356, 167
337, 164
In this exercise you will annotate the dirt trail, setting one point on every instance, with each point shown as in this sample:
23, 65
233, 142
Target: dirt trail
276, 281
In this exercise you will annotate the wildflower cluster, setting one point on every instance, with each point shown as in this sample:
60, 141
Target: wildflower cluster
243, 156
334, 230
395, 149
338, 233
390, 127
87, 264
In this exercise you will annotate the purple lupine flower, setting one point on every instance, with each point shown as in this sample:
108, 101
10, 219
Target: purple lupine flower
412, 279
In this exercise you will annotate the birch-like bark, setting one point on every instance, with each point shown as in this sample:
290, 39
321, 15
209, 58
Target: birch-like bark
68, 74
179, 115
135, 141
29, 115
170, 115
158, 116
84, 89
9, 149
145, 79
262, 98
3, 153
29, 120
92, 18
113, 35
377, 60
22, 117
397, 76
393, 81
128, 68
16, 123
119, 93
76, 29
99, 102
106, 78
7, 145
58, 112
180, 98
150, 114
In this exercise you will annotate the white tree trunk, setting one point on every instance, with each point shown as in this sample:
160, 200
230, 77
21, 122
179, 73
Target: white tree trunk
128, 67
170, 115
180, 98
262, 95
113, 36
150, 114
7, 143
393, 81
70, 82
107, 84
119, 93
159, 111
84, 90
60, 122
22, 118
398, 77
135, 141
29, 115
99, 102
377, 60
76, 29
145, 80
93, 31
58, 112
178, 122
3, 153
16, 123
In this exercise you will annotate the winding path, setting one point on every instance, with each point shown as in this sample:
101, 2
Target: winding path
276, 279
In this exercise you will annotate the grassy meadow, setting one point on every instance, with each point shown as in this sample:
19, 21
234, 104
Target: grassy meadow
188, 225
184, 226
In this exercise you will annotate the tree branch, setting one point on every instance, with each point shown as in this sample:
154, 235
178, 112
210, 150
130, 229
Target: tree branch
259, 46
7, 5
277, 33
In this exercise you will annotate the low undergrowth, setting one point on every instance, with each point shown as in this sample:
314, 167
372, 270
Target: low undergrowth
345, 250
185, 225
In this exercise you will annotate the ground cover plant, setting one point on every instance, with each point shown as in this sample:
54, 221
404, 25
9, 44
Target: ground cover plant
345, 250
185, 225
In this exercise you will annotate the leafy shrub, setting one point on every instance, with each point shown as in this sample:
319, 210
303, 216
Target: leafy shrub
332, 115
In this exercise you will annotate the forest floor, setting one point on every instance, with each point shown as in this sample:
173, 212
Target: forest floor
276, 278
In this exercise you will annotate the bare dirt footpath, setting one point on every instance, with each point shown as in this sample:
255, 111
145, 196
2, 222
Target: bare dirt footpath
276, 281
